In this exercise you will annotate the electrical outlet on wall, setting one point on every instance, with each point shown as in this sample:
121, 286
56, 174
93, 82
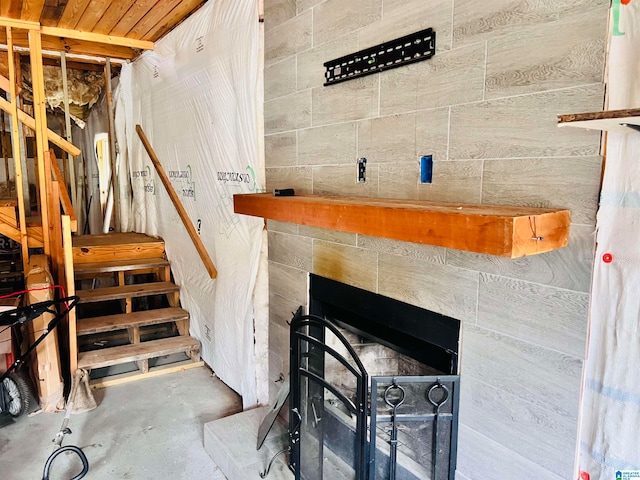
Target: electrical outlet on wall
426, 168
361, 175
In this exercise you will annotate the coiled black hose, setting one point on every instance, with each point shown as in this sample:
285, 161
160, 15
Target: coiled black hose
70, 448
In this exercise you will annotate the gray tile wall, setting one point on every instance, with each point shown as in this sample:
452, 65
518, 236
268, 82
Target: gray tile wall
484, 106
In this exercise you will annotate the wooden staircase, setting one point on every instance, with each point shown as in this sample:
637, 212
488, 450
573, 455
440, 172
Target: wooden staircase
115, 260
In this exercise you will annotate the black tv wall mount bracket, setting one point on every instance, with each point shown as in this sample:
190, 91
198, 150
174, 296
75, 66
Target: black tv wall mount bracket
412, 48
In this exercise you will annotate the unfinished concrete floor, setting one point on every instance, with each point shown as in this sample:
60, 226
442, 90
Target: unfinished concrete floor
148, 429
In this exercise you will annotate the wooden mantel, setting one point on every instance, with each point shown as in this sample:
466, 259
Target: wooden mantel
495, 230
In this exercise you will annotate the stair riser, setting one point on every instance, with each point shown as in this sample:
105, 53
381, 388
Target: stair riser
128, 291
110, 253
112, 323
141, 351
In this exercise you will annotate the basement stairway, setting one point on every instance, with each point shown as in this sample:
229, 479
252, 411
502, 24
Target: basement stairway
129, 308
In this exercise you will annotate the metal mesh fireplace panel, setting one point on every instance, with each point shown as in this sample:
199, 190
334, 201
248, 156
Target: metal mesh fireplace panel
328, 439
413, 428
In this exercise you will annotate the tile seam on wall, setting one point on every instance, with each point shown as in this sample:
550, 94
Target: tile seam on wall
550, 411
515, 454
521, 340
529, 282
484, 80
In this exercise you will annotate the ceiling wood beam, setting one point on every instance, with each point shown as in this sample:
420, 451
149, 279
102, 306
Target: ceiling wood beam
23, 24
73, 46
56, 62
97, 38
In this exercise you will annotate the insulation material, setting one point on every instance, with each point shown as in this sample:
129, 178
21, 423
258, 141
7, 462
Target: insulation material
196, 97
85, 87
609, 446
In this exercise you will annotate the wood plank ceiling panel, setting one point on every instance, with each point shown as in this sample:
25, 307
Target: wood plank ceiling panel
72, 13
112, 16
92, 15
11, 8
52, 11
176, 16
161, 10
31, 10
137, 11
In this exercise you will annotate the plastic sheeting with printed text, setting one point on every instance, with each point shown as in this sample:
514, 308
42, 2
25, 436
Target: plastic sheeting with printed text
609, 447
196, 97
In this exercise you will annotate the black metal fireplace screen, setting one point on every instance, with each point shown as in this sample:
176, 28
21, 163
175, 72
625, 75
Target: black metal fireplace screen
347, 426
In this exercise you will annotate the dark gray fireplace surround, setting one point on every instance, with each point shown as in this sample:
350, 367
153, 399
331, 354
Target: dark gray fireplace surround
374, 388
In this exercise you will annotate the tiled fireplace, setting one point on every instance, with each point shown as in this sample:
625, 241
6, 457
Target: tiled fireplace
362, 363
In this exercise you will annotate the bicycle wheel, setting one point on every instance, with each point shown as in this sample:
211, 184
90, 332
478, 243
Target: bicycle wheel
17, 394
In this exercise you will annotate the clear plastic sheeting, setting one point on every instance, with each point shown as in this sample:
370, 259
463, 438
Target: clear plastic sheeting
609, 447
196, 97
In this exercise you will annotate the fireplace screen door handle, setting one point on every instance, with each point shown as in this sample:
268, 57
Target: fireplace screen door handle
295, 431
393, 401
436, 419
316, 419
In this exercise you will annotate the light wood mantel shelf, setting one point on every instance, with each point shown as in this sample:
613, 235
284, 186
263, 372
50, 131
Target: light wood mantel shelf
495, 230
623, 121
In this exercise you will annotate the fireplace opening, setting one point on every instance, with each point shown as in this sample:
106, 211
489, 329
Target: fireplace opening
363, 363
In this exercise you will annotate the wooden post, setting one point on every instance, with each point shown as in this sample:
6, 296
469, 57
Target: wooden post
195, 238
67, 246
21, 140
46, 367
112, 146
5, 150
17, 157
55, 222
67, 120
40, 114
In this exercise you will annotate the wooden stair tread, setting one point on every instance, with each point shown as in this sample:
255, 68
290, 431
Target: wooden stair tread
126, 291
108, 323
120, 265
140, 351
110, 239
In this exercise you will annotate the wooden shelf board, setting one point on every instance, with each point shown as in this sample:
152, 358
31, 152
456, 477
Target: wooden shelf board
610, 121
495, 230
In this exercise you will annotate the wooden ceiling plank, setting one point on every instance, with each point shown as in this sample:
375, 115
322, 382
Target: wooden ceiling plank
176, 16
92, 15
155, 16
72, 13
11, 8
137, 11
52, 11
31, 10
112, 16
67, 33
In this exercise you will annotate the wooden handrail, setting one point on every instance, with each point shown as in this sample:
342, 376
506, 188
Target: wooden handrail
195, 238
67, 206
52, 136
